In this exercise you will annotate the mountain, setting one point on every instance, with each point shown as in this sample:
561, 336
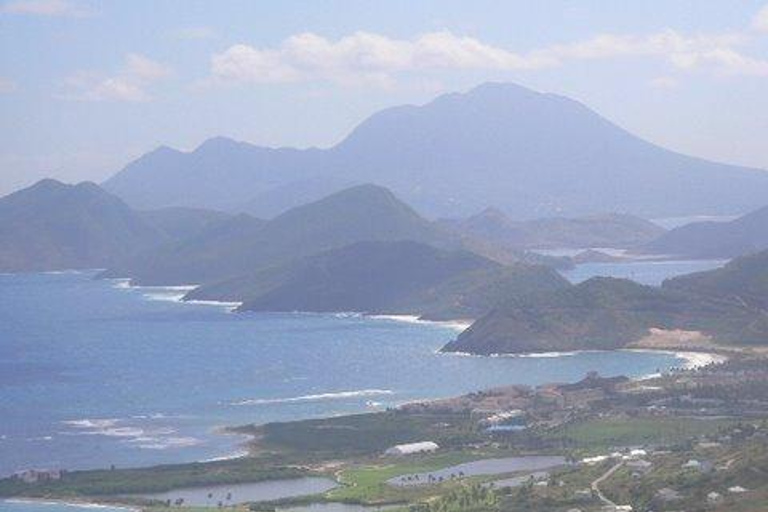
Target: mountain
179, 222
54, 226
605, 230
384, 277
608, 313
744, 235
531, 154
744, 279
243, 245
221, 174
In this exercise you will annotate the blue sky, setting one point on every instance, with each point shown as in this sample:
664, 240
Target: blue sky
87, 86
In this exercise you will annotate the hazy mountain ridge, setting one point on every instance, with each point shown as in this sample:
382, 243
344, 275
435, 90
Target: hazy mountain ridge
220, 174
531, 154
744, 235
179, 222
244, 245
54, 226
604, 230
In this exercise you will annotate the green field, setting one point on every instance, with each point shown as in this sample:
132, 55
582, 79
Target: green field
148, 480
361, 434
618, 432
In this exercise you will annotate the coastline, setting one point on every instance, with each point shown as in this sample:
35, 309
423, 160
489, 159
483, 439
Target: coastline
458, 325
693, 359
174, 293
73, 502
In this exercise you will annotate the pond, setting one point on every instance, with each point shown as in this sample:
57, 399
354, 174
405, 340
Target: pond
234, 494
480, 468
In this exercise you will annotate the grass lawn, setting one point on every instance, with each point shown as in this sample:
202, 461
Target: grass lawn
609, 433
368, 484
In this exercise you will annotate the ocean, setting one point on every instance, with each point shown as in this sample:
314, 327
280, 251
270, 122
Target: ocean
93, 373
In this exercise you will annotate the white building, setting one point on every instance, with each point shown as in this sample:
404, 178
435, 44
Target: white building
412, 448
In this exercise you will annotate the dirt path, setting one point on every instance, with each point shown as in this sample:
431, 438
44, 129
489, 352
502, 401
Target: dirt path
605, 476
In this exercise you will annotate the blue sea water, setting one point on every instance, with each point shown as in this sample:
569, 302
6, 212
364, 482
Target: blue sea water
92, 374
44, 506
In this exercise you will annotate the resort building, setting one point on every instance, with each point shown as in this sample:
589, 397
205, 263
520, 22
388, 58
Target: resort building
412, 448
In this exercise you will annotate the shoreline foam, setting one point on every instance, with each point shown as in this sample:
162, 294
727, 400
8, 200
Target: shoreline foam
319, 397
175, 293
455, 325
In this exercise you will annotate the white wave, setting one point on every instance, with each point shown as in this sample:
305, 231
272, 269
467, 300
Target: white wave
89, 423
167, 442
347, 314
173, 294
456, 325
151, 438
532, 355
316, 398
121, 283
231, 306
547, 355
232, 456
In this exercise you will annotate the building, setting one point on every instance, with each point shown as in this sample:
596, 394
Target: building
713, 498
412, 448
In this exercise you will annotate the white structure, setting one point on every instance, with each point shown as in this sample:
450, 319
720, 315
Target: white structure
412, 448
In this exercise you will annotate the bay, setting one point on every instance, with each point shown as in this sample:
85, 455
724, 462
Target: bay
94, 374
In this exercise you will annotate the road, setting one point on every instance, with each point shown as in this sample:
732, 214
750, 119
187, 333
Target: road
602, 478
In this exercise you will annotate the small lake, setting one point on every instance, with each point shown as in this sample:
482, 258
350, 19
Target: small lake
234, 494
480, 468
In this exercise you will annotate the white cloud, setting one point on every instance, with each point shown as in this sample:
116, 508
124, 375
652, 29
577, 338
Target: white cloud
369, 58
760, 21
360, 57
7, 85
129, 84
60, 8
192, 33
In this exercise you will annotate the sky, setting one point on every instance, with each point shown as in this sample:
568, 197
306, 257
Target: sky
87, 86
